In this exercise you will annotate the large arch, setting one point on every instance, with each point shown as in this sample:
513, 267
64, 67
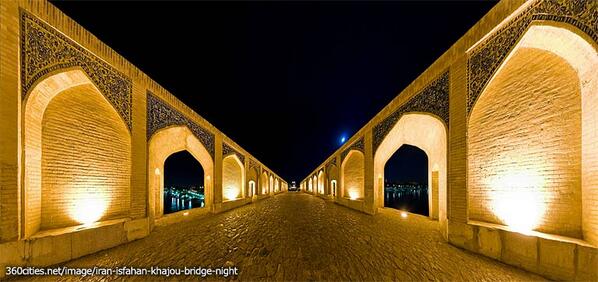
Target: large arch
271, 184
164, 143
321, 181
333, 180
233, 178
276, 185
59, 113
352, 175
252, 182
429, 134
310, 185
532, 143
264, 183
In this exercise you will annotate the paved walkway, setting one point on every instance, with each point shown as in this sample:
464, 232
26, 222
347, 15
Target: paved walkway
294, 236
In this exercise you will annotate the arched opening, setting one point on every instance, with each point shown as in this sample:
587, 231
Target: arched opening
332, 175
352, 175
77, 155
163, 144
428, 133
251, 188
315, 184
183, 183
264, 183
271, 185
276, 185
252, 177
309, 185
406, 180
532, 144
233, 178
333, 185
321, 182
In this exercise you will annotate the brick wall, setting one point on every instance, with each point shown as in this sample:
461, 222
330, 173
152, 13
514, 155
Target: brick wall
232, 177
524, 135
85, 153
9, 120
264, 184
353, 174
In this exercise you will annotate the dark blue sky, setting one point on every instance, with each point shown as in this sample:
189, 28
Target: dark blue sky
407, 164
182, 169
282, 79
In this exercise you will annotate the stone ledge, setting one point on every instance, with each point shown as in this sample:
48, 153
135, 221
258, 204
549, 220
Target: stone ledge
175, 217
77, 228
59, 245
553, 256
356, 204
231, 204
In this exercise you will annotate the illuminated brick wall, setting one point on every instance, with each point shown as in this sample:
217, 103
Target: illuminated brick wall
525, 145
232, 178
353, 173
85, 159
264, 184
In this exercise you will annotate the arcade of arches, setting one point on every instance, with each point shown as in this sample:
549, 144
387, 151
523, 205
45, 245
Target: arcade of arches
507, 119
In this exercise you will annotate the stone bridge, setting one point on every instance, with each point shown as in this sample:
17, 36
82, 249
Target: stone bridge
85, 135
508, 118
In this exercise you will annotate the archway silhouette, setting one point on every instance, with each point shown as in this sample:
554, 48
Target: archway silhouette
183, 183
428, 133
164, 143
406, 180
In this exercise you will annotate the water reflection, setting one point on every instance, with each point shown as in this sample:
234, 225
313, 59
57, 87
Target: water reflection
412, 198
182, 198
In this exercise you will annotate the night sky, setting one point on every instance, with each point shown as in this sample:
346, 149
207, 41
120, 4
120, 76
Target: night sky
182, 169
285, 80
408, 159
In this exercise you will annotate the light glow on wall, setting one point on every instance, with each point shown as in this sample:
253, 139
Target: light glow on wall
89, 209
231, 193
353, 194
517, 199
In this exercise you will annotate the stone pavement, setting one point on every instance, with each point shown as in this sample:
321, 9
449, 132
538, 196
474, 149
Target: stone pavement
295, 236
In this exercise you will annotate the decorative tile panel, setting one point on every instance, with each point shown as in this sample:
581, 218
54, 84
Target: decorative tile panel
486, 58
228, 150
254, 165
45, 50
433, 99
357, 145
329, 164
160, 115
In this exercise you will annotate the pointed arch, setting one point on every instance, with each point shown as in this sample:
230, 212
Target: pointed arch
428, 133
352, 175
545, 190
164, 143
58, 112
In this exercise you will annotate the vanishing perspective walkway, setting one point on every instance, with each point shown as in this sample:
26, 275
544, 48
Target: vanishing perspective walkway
295, 236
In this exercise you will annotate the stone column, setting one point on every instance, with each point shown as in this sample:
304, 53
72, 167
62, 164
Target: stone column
368, 175
217, 191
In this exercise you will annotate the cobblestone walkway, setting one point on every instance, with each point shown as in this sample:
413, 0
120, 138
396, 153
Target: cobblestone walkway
295, 236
